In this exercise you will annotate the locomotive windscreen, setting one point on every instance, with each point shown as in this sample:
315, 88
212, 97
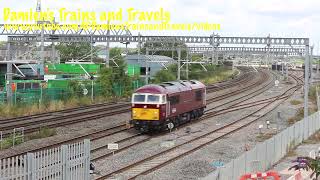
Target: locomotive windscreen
139, 98
153, 98
149, 98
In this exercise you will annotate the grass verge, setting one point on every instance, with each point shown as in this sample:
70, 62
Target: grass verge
10, 111
42, 133
219, 76
11, 141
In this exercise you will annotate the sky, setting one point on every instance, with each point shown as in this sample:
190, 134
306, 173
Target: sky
279, 18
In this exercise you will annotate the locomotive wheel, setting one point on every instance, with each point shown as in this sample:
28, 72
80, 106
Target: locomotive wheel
168, 121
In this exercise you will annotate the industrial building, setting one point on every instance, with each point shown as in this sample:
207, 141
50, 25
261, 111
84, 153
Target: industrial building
153, 62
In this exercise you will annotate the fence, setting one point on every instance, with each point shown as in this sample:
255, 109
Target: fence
68, 162
90, 90
270, 151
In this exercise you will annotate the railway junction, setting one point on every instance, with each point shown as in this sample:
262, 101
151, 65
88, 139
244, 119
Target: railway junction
251, 123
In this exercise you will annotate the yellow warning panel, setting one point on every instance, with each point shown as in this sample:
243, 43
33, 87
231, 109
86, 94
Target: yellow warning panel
145, 114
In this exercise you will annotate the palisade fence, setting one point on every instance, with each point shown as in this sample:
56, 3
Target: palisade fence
68, 162
269, 152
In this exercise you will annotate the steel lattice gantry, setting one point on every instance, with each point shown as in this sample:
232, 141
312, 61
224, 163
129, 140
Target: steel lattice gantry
181, 39
235, 50
63, 29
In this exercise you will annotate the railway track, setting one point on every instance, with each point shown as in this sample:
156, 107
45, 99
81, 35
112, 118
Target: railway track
69, 116
32, 125
156, 161
95, 135
52, 113
241, 78
125, 146
135, 138
238, 91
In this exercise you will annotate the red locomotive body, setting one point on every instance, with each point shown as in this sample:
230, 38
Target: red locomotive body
154, 106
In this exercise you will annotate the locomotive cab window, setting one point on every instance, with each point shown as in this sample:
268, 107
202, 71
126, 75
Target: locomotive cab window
139, 98
198, 95
148, 98
153, 99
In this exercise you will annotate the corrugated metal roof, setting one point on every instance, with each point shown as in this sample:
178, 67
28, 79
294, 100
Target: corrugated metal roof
149, 57
26, 66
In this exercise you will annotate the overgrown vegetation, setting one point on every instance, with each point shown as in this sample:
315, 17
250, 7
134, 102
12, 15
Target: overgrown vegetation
213, 74
19, 139
297, 117
7, 111
9, 141
295, 102
42, 133
300, 113
313, 94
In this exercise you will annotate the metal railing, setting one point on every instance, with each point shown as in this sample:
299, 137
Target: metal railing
269, 152
66, 162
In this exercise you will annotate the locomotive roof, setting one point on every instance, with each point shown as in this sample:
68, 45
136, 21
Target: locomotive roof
171, 87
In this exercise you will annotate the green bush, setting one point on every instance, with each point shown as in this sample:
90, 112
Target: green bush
8, 142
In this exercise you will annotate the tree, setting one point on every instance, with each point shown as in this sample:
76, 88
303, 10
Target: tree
163, 76
120, 77
114, 79
69, 51
105, 81
3, 44
115, 52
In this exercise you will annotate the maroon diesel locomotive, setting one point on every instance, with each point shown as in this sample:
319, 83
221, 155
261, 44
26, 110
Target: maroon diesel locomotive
155, 106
